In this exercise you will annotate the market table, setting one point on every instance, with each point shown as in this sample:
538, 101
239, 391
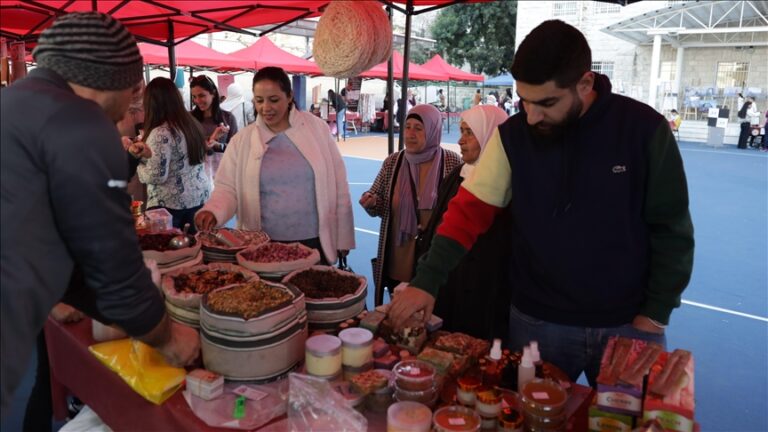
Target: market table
74, 370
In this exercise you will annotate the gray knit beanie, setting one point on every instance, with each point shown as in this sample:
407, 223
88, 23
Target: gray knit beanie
91, 49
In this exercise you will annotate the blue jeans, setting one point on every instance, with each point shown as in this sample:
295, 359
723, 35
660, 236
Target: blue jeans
341, 126
570, 348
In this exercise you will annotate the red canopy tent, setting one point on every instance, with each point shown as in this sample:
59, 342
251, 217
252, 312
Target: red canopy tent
438, 65
415, 72
191, 53
157, 21
265, 53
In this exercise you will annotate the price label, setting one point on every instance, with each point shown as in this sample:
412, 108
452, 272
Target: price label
249, 393
415, 371
456, 421
540, 395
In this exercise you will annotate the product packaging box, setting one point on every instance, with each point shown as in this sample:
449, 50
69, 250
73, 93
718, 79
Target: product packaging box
623, 367
670, 394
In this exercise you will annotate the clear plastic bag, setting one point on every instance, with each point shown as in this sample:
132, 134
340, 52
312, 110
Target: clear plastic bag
314, 405
258, 410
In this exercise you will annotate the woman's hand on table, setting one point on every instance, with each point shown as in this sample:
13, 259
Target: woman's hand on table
368, 200
407, 301
205, 220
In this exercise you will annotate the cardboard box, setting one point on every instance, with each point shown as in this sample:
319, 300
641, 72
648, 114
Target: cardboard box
671, 403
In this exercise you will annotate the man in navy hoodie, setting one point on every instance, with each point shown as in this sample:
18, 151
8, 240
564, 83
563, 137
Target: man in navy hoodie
602, 239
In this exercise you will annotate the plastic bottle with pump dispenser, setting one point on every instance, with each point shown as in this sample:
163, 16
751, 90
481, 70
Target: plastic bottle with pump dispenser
526, 371
538, 364
492, 373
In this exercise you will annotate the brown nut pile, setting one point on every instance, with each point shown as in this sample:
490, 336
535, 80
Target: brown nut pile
248, 300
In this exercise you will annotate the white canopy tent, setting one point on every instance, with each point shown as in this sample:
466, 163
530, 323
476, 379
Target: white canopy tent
694, 24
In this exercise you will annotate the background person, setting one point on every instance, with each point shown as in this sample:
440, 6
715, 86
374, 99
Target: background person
219, 126
475, 298
404, 194
284, 175
64, 113
175, 174
240, 105
601, 236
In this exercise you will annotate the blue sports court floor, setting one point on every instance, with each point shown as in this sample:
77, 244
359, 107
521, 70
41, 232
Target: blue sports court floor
724, 316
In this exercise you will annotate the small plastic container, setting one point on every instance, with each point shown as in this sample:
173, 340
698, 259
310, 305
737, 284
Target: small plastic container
350, 372
543, 398
456, 418
426, 397
353, 398
409, 417
205, 384
414, 375
488, 402
465, 389
510, 420
356, 347
323, 356
380, 400
159, 220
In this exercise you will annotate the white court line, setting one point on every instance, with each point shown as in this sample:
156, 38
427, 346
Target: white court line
688, 302
367, 231
728, 152
363, 157
728, 311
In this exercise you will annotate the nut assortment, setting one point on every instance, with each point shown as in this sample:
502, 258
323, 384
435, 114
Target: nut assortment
277, 253
248, 300
321, 284
204, 281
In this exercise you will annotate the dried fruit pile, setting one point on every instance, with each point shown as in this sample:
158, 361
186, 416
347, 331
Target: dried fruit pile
321, 284
277, 253
248, 300
204, 281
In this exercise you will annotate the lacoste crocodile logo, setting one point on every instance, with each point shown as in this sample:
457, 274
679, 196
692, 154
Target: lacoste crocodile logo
618, 169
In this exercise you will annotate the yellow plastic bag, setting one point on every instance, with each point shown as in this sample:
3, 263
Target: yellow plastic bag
143, 368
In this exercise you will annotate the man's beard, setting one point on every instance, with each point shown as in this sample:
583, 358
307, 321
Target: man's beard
548, 131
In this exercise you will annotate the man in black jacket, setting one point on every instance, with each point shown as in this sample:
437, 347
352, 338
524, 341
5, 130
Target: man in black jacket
63, 196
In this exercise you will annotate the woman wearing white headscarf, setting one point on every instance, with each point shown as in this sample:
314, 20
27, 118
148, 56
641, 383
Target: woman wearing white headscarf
404, 194
475, 300
239, 105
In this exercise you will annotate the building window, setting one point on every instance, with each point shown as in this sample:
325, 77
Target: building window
564, 8
667, 72
599, 8
732, 74
605, 68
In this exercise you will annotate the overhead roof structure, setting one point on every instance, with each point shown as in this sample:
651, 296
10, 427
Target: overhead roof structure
191, 53
439, 65
696, 24
415, 71
264, 53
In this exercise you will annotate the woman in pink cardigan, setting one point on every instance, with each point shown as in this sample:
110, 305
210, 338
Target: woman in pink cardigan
284, 175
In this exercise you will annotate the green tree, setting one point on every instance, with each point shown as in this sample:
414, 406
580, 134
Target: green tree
482, 34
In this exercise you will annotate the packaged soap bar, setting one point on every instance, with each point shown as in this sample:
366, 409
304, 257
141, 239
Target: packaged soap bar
205, 384
619, 358
670, 395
